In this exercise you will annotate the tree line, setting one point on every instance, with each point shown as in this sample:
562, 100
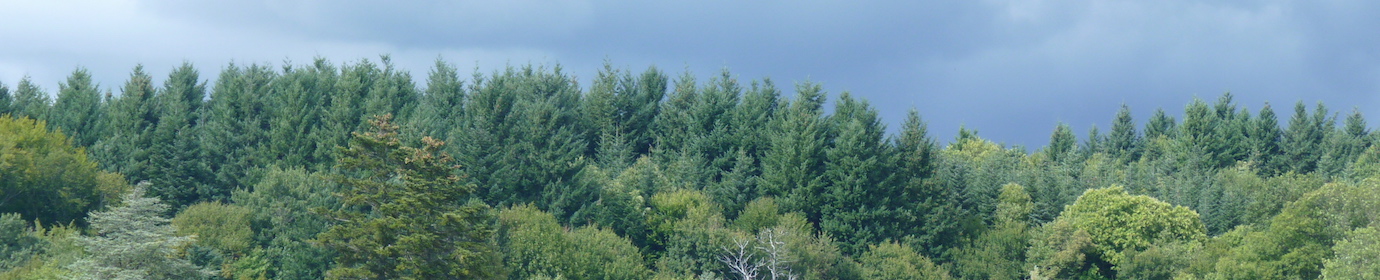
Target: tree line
352, 171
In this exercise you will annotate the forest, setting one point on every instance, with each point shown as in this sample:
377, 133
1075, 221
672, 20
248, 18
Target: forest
352, 170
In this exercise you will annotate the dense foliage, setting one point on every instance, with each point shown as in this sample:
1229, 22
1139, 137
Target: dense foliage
352, 171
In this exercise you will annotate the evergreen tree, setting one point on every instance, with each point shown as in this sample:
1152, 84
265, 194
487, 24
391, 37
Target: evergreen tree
1265, 142
856, 207
234, 133
443, 103
1061, 143
1124, 142
1160, 124
296, 108
1302, 141
135, 241
922, 199
130, 119
406, 215
6, 100
792, 168
176, 171
77, 111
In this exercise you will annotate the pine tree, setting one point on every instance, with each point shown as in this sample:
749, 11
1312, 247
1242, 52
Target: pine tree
406, 214
77, 111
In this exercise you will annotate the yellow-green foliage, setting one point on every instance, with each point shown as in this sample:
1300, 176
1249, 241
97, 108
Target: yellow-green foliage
1117, 221
538, 247
894, 261
224, 227
45, 176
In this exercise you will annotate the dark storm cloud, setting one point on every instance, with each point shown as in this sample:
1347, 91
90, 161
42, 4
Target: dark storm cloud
1010, 69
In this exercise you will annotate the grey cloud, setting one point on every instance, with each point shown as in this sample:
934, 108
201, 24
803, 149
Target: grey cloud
1009, 68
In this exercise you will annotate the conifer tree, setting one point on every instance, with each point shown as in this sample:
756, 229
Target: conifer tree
131, 119
1124, 142
6, 100
176, 171
1265, 140
234, 135
135, 241
1160, 124
77, 110
856, 204
406, 214
295, 106
792, 168
1061, 143
443, 103
1302, 141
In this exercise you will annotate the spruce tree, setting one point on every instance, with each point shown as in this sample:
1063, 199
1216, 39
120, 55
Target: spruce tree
1302, 140
295, 113
176, 171
442, 103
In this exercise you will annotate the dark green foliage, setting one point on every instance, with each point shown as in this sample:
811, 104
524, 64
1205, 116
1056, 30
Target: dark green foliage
18, 243
1124, 142
1264, 137
77, 111
234, 131
176, 171
520, 140
130, 122
1061, 143
622, 179
1160, 124
6, 99
856, 206
406, 215
442, 104
282, 205
1302, 141
792, 168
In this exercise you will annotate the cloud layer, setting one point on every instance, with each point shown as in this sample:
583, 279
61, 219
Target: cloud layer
1010, 69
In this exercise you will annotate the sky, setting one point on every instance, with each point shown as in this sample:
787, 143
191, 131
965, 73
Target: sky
1012, 70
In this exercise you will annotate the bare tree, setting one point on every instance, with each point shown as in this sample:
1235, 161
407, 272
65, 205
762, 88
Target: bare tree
777, 258
740, 258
